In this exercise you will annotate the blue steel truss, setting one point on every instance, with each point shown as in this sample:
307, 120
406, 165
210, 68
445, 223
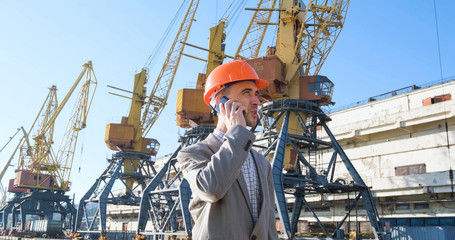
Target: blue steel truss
306, 178
167, 196
91, 212
42, 205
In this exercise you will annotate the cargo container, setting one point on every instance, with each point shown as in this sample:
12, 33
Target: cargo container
45, 227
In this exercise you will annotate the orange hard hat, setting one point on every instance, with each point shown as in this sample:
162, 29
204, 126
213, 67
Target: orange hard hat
230, 72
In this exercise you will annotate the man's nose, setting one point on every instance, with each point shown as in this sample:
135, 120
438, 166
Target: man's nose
255, 100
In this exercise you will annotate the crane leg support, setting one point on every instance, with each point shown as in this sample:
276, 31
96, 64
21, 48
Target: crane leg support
76, 236
308, 178
139, 237
103, 236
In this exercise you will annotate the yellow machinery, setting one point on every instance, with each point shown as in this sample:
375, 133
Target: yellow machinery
38, 167
129, 134
304, 39
191, 111
291, 110
292, 118
42, 177
132, 164
167, 195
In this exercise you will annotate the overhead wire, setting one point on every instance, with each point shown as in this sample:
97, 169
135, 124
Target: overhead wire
157, 50
159, 47
445, 112
437, 37
232, 13
236, 14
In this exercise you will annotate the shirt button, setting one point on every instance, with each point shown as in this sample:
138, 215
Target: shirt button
253, 237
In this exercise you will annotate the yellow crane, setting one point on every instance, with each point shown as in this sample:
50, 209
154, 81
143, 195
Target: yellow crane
42, 177
306, 33
162, 200
190, 110
252, 39
39, 167
132, 163
292, 119
130, 134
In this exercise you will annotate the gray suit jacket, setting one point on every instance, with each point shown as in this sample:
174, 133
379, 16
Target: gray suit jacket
220, 206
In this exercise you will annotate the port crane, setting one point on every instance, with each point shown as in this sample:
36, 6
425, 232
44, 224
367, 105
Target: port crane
292, 117
132, 166
45, 113
168, 194
42, 177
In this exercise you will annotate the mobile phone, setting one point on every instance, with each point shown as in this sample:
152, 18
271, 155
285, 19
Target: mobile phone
223, 100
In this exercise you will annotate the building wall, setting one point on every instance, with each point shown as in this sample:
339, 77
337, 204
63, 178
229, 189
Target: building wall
400, 149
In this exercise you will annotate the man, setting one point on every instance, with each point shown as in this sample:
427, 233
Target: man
232, 185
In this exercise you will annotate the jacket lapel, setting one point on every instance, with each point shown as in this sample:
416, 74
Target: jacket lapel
214, 145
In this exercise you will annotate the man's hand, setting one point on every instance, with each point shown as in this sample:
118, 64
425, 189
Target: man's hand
232, 114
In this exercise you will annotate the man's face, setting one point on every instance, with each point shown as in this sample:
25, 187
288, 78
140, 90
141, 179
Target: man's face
246, 94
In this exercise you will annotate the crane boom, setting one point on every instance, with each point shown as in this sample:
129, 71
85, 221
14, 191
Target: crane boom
132, 165
319, 29
43, 139
7, 165
23, 138
160, 92
252, 40
65, 155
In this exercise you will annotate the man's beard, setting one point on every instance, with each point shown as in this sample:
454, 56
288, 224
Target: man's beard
250, 121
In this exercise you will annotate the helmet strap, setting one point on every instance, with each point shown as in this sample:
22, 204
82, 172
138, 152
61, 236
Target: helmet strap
213, 104
213, 111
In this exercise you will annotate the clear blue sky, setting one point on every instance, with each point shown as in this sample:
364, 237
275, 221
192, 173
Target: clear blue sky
385, 45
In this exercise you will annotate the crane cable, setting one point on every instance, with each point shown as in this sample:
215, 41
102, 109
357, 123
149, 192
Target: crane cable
2, 188
443, 92
233, 13
81, 153
159, 47
437, 37
164, 38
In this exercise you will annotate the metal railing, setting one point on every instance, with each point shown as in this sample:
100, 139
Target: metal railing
328, 109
